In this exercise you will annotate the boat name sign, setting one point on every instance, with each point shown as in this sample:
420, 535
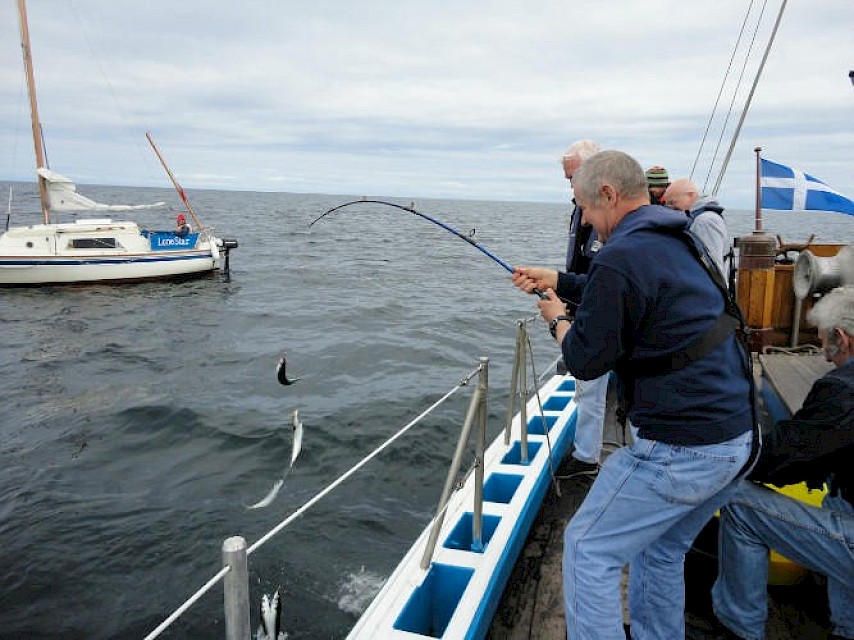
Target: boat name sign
168, 240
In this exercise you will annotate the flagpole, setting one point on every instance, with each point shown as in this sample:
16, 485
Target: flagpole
758, 215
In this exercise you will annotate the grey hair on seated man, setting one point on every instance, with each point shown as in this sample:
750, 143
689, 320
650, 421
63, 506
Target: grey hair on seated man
833, 316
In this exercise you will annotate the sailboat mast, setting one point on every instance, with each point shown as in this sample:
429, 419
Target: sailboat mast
34, 109
177, 186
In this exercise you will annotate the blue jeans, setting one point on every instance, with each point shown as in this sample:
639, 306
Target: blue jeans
591, 396
646, 506
818, 538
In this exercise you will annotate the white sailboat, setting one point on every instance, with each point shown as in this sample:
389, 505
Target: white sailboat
96, 249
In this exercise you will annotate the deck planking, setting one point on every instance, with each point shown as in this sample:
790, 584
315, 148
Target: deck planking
792, 375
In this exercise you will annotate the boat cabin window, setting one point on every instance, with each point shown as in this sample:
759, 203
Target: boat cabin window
92, 243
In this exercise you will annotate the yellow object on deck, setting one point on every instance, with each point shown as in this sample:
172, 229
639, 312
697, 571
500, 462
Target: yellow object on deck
781, 570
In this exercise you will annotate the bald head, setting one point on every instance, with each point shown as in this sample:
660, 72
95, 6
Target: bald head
681, 195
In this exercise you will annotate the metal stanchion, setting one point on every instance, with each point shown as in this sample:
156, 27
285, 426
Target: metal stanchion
523, 413
479, 449
519, 387
514, 384
471, 416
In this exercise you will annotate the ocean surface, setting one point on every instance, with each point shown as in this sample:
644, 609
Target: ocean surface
139, 421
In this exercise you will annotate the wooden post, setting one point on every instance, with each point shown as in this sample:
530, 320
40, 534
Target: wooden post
236, 589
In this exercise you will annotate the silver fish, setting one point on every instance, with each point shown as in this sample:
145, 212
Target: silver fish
268, 499
271, 618
296, 446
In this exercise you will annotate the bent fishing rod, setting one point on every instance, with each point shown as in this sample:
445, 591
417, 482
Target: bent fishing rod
446, 227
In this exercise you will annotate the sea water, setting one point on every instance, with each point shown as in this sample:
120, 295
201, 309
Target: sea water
140, 421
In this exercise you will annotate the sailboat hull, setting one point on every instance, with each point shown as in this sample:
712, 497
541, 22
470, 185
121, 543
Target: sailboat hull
101, 251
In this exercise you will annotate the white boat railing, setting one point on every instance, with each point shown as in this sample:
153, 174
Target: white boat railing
235, 573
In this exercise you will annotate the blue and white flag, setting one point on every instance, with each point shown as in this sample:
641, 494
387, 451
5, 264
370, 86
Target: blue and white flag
792, 190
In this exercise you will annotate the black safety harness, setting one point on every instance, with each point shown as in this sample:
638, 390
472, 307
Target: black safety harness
730, 322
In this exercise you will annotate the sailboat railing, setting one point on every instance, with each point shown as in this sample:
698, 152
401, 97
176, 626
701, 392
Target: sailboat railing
476, 415
235, 552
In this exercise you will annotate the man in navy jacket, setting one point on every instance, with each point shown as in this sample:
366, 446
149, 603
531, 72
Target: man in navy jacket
650, 310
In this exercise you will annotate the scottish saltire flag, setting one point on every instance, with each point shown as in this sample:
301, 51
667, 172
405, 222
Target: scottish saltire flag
792, 190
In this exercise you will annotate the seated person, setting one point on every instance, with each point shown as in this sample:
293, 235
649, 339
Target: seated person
181, 226
815, 446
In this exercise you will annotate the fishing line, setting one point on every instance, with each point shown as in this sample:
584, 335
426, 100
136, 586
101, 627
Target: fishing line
468, 239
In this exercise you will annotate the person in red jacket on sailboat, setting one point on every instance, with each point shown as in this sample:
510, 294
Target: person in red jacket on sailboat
181, 226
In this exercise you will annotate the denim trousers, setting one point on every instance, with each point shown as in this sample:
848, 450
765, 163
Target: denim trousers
591, 396
646, 506
818, 538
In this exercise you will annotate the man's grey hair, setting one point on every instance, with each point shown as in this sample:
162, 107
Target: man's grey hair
616, 168
835, 310
581, 149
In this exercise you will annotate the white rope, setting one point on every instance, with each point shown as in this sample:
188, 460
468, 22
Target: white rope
192, 600
189, 603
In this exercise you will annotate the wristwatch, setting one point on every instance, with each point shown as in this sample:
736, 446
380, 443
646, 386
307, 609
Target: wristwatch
553, 324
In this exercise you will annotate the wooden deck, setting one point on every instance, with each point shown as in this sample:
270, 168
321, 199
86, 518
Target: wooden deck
792, 375
532, 605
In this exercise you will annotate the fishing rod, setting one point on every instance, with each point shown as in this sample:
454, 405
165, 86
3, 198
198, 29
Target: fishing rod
446, 227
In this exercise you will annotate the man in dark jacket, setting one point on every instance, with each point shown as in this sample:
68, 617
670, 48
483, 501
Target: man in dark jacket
591, 395
647, 303
815, 446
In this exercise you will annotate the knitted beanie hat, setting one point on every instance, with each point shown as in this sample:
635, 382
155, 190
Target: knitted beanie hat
657, 177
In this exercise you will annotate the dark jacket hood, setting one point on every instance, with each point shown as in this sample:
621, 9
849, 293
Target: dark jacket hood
651, 216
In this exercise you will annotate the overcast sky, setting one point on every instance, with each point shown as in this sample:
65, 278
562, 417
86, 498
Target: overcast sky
438, 98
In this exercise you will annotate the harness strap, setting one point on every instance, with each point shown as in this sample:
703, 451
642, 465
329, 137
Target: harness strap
724, 326
729, 322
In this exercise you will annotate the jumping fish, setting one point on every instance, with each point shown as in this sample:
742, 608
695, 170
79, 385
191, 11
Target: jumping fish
296, 447
282, 374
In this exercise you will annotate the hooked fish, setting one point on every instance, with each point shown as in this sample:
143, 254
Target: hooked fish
296, 447
271, 618
268, 499
296, 440
282, 374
